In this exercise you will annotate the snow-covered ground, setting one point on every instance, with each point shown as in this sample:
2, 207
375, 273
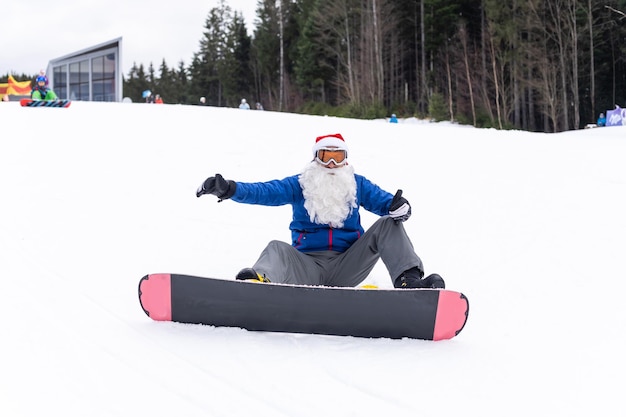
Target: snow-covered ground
531, 227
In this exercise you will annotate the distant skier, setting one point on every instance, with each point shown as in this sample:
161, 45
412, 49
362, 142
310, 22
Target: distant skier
393, 119
601, 120
244, 105
329, 245
41, 90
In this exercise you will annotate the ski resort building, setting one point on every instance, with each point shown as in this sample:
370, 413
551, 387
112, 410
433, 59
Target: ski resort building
91, 74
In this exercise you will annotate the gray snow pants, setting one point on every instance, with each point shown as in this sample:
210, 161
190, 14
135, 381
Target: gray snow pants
387, 240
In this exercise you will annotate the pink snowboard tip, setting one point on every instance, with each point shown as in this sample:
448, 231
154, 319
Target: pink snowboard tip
155, 296
452, 311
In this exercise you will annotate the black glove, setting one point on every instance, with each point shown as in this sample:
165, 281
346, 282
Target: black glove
400, 209
217, 186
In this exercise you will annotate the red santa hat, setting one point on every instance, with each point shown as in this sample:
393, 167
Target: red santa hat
333, 140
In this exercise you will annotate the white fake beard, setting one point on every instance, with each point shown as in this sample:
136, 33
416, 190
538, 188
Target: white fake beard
329, 193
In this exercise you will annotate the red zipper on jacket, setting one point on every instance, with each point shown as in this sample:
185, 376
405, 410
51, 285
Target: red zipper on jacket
330, 238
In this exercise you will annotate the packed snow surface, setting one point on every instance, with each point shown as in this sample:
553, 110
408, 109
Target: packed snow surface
530, 226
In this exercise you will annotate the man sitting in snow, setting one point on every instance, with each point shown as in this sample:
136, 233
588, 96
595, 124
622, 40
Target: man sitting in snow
329, 245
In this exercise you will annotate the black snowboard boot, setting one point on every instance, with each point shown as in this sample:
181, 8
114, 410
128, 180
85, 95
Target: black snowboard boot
412, 278
249, 274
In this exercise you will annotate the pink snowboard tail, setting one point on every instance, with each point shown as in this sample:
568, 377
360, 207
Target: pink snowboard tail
155, 296
452, 311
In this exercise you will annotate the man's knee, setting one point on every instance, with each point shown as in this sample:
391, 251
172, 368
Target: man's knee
278, 246
386, 221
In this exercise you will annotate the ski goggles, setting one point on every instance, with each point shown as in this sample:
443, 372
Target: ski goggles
327, 155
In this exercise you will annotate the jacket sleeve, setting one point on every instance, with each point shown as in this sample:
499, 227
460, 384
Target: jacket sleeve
373, 198
271, 193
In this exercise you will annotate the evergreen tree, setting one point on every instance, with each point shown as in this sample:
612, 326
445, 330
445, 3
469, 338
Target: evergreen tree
310, 77
235, 67
136, 83
166, 84
181, 83
266, 53
208, 68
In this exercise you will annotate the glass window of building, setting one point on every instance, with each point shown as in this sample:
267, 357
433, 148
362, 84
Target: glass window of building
103, 77
60, 81
79, 80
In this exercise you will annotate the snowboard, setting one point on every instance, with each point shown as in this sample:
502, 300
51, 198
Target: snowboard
429, 314
27, 102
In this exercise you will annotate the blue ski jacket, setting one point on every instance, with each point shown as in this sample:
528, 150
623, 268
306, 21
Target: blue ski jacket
306, 235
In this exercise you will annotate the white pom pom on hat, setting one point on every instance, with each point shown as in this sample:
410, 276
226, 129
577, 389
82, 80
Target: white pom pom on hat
327, 141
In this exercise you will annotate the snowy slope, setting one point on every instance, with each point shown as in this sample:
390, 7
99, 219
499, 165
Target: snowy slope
531, 227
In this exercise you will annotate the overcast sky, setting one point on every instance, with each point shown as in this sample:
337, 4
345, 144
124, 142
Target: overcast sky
35, 31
